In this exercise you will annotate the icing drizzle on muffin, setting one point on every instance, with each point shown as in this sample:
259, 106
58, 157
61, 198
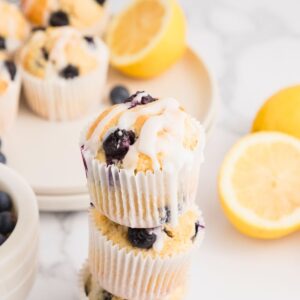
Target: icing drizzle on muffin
166, 137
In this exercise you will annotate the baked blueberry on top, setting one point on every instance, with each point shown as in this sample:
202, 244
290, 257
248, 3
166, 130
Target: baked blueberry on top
7, 217
141, 238
117, 144
2, 43
8, 72
59, 18
140, 98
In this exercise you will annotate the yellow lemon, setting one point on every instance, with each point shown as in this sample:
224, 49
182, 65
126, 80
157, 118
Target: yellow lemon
280, 113
259, 185
147, 37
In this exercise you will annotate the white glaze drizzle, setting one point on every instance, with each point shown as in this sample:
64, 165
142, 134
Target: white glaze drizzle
94, 142
163, 132
58, 53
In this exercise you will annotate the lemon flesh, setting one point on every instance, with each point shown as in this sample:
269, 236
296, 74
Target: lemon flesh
259, 185
147, 37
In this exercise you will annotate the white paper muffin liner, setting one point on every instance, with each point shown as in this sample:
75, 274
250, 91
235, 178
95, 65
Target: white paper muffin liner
129, 275
142, 200
9, 103
59, 99
85, 273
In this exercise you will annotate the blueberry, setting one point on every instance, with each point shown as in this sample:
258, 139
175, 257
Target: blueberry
89, 39
117, 144
118, 94
144, 100
2, 239
7, 222
45, 53
165, 215
198, 227
141, 238
2, 158
11, 68
69, 72
59, 18
101, 2
38, 28
5, 202
106, 295
2, 43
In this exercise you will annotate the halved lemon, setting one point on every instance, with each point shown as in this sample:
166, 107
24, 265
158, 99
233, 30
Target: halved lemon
148, 37
259, 185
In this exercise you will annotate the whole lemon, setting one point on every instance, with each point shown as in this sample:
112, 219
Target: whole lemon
280, 113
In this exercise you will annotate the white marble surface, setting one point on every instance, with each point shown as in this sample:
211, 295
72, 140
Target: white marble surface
253, 47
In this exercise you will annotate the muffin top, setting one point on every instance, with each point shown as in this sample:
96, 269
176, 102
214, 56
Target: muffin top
163, 241
145, 134
62, 52
8, 73
13, 27
77, 13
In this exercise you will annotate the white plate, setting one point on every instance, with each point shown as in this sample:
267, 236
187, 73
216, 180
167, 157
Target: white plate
47, 154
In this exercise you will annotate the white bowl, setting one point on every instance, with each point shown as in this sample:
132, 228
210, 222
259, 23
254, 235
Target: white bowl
18, 255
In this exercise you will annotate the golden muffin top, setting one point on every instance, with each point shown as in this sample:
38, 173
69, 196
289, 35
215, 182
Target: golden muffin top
163, 241
145, 134
62, 52
8, 73
77, 13
14, 28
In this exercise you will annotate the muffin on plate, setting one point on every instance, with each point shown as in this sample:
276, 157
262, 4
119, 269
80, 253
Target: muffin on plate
10, 83
89, 16
63, 72
14, 28
142, 160
154, 261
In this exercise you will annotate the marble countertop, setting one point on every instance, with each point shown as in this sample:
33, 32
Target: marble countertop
253, 47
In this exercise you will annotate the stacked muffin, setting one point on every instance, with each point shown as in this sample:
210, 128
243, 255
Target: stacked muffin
142, 160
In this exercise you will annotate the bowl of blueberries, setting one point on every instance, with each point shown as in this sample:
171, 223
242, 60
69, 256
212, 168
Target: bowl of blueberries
19, 223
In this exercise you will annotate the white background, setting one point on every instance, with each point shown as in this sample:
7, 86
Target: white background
253, 47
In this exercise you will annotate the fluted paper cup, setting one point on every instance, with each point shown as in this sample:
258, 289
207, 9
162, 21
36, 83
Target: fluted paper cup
9, 103
134, 274
61, 99
142, 200
85, 276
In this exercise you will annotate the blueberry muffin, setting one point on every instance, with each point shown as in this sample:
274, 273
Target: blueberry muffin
9, 92
93, 291
14, 28
155, 261
88, 16
142, 160
64, 72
